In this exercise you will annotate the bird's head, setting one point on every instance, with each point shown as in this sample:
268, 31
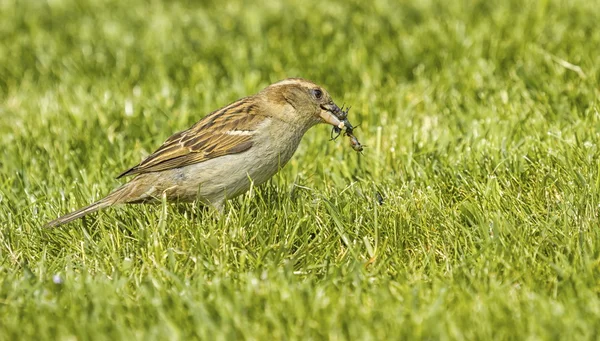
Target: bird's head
307, 103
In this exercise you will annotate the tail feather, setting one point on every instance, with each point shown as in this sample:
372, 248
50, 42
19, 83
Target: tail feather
79, 213
117, 196
135, 191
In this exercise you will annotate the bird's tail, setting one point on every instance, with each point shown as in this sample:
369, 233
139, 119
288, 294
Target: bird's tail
116, 197
98, 205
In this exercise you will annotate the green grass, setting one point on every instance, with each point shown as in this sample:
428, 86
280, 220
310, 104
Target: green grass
482, 122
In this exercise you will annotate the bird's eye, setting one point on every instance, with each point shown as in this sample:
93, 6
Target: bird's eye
318, 93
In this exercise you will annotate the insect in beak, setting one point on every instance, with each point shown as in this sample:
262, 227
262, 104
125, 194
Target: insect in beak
345, 124
348, 130
355, 144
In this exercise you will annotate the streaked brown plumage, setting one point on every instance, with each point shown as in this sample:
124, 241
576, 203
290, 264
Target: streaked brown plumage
220, 156
205, 140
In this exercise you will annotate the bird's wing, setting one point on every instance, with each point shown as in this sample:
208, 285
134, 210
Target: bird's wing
226, 131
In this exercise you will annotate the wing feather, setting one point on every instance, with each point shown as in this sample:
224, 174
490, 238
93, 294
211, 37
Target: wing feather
208, 139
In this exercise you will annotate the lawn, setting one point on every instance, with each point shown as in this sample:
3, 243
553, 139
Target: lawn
472, 214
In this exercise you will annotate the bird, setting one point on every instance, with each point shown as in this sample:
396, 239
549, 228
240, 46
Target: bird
221, 156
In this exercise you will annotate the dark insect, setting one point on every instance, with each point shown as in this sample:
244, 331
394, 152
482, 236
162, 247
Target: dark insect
343, 116
348, 130
354, 143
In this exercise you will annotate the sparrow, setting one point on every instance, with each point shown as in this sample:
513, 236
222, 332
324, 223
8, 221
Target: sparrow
222, 155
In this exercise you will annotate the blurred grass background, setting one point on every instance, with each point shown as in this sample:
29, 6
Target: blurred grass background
481, 120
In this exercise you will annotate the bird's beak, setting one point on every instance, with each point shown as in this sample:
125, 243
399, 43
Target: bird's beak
332, 114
